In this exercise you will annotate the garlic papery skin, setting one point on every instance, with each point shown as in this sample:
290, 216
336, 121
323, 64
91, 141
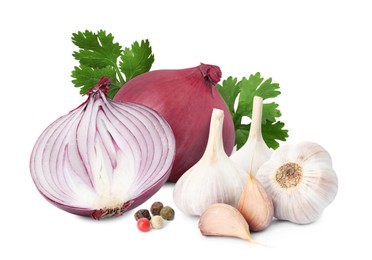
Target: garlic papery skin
224, 220
254, 144
300, 180
213, 179
256, 205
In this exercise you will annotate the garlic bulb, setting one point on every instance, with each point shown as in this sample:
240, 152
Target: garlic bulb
256, 205
254, 144
213, 179
224, 220
301, 181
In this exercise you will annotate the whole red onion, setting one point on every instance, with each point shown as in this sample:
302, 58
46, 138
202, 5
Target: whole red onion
185, 98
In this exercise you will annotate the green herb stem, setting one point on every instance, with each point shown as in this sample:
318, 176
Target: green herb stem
121, 79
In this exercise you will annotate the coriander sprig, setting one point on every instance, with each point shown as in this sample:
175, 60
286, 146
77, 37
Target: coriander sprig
99, 55
243, 92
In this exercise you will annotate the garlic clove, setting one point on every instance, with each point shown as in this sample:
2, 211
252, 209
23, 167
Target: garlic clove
256, 205
224, 220
213, 179
301, 181
254, 144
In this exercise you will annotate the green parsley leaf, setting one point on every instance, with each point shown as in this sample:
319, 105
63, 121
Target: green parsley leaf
87, 77
239, 95
229, 92
256, 86
96, 50
98, 56
272, 132
136, 60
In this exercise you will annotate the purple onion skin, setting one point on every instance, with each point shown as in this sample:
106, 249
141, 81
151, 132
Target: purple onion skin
185, 99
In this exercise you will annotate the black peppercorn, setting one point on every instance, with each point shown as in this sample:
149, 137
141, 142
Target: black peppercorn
156, 208
142, 213
167, 213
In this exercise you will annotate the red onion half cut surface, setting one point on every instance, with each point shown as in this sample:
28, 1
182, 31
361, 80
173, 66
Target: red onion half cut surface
104, 157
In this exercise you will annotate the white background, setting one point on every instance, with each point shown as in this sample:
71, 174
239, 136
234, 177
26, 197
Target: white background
319, 52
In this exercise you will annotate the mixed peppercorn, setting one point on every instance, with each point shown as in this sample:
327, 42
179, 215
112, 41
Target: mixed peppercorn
160, 214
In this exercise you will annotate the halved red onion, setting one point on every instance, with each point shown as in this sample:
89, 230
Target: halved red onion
104, 157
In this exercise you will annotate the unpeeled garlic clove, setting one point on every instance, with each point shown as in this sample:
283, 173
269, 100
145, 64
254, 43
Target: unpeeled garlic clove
221, 219
254, 144
256, 205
